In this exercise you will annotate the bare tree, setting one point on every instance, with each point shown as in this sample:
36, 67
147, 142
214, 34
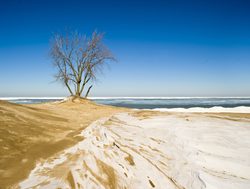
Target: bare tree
78, 59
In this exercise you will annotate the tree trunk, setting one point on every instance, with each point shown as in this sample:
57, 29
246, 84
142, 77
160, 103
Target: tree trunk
88, 91
78, 87
83, 85
67, 85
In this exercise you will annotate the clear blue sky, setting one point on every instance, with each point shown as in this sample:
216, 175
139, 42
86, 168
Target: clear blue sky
164, 48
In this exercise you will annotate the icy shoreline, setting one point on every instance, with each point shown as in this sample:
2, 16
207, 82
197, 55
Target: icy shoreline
163, 104
216, 109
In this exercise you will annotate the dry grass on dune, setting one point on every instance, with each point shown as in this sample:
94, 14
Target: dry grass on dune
30, 133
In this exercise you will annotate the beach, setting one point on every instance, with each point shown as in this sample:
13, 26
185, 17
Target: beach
110, 147
125, 94
31, 133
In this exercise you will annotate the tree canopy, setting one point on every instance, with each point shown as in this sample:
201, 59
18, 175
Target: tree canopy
78, 59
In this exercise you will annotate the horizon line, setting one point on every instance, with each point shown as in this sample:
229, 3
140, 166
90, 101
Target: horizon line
126, 97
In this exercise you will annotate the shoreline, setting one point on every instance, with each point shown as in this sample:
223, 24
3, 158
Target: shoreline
168, 104
215, 109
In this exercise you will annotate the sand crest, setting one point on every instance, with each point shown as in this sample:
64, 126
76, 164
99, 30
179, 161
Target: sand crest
33, 133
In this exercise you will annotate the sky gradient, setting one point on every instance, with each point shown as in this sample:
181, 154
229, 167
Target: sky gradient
164, 48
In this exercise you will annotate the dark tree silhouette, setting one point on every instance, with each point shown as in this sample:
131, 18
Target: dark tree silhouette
78, 60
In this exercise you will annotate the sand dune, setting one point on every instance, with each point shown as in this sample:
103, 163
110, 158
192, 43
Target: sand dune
153, 150
31, 133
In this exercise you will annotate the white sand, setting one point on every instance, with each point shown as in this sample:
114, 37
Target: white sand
175, 151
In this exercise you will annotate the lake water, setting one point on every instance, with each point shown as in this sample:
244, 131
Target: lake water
149, 102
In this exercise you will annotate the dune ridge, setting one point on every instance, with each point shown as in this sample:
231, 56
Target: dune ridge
32, 133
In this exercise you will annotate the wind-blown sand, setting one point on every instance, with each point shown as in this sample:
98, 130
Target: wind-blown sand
145, 149
32, 133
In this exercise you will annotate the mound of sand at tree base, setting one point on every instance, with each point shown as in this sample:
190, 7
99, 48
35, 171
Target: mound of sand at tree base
30, 133
153, 150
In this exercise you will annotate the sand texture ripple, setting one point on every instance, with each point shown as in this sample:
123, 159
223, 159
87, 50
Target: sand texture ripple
152, 150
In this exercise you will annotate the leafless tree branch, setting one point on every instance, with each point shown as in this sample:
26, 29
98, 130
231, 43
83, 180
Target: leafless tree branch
78, 59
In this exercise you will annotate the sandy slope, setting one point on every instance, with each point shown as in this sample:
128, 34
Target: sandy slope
153, 150
31, 133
